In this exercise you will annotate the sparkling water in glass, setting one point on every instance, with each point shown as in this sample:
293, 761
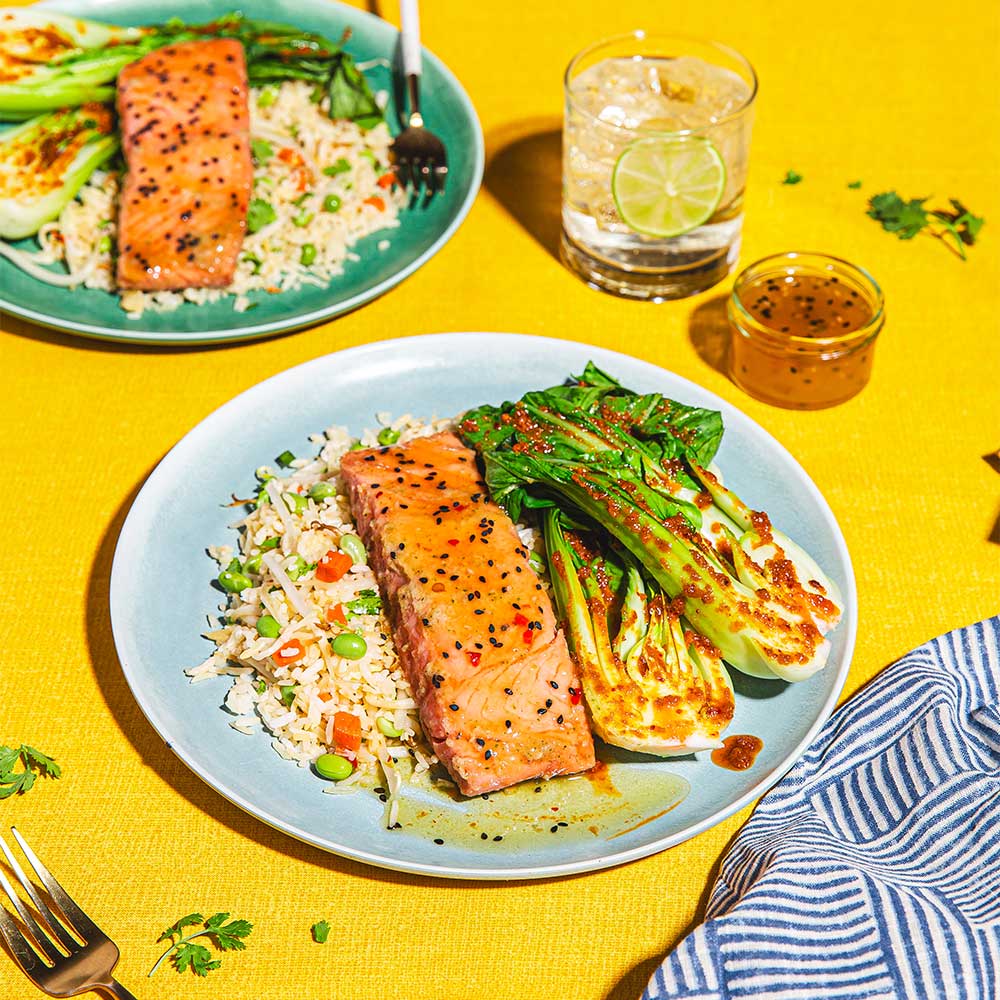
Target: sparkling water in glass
668, 94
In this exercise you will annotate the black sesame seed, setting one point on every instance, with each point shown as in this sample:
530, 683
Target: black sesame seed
453, 707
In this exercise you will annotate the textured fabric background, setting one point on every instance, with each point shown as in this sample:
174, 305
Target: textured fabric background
899, 95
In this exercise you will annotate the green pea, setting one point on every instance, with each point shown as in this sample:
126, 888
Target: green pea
349, 646
268, 627
104, 244
322, 491
308, 254
354, 547
288, 694
357, 446
386, 728
295, 502
340, 167
299, 567
387, 436
252, 565
334, 767
234, 582
331, 203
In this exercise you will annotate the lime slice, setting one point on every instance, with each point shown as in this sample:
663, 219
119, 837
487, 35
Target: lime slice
668, 186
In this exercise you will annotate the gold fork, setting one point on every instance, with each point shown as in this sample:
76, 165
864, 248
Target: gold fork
71, 955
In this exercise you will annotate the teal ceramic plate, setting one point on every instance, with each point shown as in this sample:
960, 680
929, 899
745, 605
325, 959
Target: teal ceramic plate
423, 231
178, 513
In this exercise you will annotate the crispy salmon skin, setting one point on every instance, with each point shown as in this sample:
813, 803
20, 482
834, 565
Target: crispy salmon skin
498, 695
185, 124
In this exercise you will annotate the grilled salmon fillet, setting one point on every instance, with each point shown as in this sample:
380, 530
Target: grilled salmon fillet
185, 126
498, 695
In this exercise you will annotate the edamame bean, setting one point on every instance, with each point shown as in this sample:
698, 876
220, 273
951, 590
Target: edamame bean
295, 502
233, 579
386, 728
252, 565
349, 645
270, 543
299, 567
322, 491
387, 436
334, 767
267, 626
354, 547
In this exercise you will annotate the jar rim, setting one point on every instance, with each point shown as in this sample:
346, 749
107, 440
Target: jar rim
641, 34
811, 263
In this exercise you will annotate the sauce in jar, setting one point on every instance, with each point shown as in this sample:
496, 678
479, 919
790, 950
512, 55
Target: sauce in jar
737, 753
804, 329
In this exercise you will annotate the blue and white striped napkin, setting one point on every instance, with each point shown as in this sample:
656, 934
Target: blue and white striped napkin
872, 870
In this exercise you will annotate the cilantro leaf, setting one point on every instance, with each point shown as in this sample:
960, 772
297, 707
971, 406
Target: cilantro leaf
854, 185
791, 177
908, 218
321, 931
177, 930
904, 218
46, 763
13, 782
195, 957
226, 934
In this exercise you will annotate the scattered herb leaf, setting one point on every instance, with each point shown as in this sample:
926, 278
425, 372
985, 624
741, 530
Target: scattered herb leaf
261, 150
957, 228
259, 214
13, 781
321, 931
791, 177
225, 934
854, 185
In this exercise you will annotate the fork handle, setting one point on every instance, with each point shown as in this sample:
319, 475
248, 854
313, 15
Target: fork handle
410, 19
115, 989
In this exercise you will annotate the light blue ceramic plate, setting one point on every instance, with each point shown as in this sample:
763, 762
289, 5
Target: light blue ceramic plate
178, 513
423, 231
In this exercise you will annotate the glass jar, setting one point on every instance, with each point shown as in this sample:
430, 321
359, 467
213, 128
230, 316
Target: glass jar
803, 330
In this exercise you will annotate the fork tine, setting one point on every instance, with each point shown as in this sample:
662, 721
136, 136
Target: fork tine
17, 942
49, 920
403, 172
42, 943
72, 913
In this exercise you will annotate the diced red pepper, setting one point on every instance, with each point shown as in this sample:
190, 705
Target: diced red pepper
347, 732
453, 541
333, 566
520, 619
290, 652
474, 657
529, 636
574, 696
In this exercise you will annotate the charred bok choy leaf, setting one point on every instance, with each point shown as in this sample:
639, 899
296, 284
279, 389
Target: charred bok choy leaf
45, 161
651, 685
50, 60
637, 466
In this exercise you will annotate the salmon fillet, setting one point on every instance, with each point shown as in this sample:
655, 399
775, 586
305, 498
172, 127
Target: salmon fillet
498, 695
185, 126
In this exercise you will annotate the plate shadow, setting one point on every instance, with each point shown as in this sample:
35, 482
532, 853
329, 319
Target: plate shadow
524, 174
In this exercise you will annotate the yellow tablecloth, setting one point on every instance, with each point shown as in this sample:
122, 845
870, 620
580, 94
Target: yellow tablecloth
891, 93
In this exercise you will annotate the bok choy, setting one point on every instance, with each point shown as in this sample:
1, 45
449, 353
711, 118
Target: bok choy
637, 467
651, 685
45, 161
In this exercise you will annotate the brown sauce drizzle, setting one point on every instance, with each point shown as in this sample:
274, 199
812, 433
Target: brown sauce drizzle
737, 753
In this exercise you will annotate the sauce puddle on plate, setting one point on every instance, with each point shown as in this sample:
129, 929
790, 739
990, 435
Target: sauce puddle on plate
737, 753
609, 801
